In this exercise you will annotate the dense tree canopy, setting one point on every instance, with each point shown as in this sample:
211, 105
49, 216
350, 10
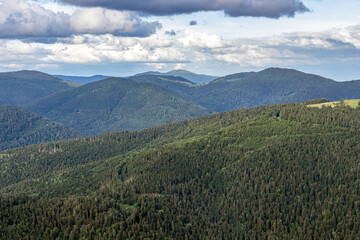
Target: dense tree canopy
275, 172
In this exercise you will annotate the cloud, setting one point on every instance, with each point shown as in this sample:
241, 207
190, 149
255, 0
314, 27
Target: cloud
193, 23
22, 20
195, 40
233, 8
102, 21
340, 46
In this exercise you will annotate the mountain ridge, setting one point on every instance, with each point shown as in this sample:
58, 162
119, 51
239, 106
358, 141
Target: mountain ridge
116, 104
21, 87
82, 79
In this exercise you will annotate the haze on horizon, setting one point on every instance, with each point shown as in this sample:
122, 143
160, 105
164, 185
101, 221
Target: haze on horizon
122, 38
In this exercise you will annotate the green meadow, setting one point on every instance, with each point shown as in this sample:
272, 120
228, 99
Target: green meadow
353, 103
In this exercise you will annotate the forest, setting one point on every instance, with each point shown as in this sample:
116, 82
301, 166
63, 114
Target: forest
282, 171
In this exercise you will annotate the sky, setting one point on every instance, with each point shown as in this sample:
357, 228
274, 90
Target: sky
214, 37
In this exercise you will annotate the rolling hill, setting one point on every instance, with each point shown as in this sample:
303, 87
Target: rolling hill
21, 88
270, 86
116, 104
19, 127
274, 172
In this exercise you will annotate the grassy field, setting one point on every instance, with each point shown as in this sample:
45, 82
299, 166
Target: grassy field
354, 103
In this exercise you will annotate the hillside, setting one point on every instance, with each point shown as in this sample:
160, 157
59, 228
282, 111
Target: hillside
82, 80
19, 127
21, 88
270, 86
193, 77
274, 172
116, 104
353, 103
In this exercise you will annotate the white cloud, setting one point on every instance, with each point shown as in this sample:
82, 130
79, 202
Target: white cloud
194, 39
23, 20
102, 21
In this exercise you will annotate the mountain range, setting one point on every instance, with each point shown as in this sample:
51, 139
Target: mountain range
143, 101
193, 77
270, 86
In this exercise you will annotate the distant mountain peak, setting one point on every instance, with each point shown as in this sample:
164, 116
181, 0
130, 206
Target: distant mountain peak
180, 71
192, 77
27, 74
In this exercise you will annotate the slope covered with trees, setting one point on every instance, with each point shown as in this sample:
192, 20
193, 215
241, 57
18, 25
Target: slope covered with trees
283, 171
270, 86
19, 127
149, 100
23, 87
116, 104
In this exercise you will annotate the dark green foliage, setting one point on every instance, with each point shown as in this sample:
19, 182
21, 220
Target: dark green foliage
116, 104
21, 88
19, 127
316, 101
275, 172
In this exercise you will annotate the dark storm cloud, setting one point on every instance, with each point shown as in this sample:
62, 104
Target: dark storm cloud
193, 23
234, 8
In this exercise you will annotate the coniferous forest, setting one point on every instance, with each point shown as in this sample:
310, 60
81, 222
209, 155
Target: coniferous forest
273, 172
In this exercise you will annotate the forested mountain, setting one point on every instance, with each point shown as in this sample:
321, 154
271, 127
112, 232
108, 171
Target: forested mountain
193, 77
143, 101
20, 88
270, 86
116, 104
19, 127
83, 80
275, 172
